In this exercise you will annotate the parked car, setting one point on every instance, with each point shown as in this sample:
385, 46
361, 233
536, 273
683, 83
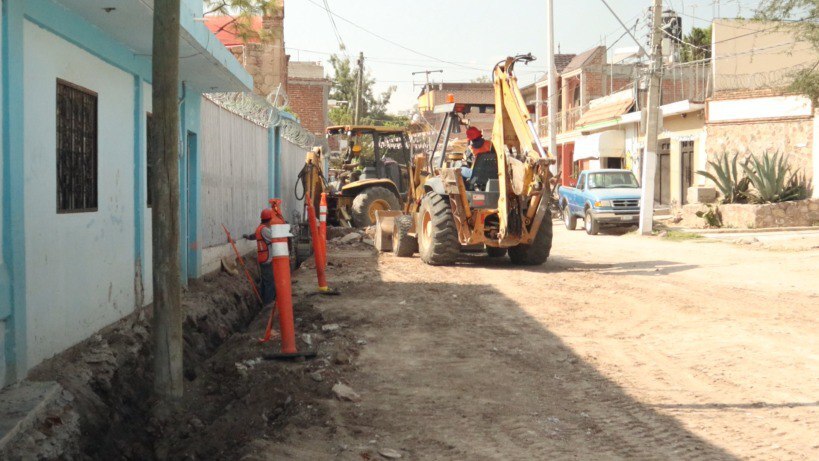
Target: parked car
601, 198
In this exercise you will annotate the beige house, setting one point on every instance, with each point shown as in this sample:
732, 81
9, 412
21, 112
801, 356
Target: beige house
751, 111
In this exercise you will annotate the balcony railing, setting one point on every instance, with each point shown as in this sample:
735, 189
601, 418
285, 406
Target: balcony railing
566, 120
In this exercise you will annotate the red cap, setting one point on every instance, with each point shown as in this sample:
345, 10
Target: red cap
267, 214
473, 133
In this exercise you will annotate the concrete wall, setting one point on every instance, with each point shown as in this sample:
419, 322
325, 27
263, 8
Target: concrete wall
289, 162
751, 55
800, 213
79, 265
234, 179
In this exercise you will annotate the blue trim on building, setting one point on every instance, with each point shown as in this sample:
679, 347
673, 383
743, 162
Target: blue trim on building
14, 243
190, 172
140, 120
76, 30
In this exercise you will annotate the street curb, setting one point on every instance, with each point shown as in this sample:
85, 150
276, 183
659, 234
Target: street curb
745, 231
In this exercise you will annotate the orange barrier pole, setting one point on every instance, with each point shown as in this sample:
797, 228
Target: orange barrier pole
323, 225
317, 248
281, 276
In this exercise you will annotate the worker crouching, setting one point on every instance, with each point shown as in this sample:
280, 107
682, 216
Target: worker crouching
264, 255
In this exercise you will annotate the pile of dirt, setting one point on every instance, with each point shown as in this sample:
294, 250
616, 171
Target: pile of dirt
233, 398
109, 375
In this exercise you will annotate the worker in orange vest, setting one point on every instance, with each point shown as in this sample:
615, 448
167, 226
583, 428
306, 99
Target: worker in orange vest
264, 238
477, 145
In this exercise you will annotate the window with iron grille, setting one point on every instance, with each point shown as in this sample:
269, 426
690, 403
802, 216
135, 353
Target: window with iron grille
149, 173
77, 170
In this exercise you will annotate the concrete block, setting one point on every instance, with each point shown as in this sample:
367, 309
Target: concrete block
700, 194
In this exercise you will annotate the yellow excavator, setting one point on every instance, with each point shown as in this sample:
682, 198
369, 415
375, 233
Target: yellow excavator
370, 175
498, 200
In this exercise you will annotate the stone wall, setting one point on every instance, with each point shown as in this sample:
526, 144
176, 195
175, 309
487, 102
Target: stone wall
745, 216
791, 137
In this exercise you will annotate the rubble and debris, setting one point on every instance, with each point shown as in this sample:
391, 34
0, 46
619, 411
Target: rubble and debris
330, 327
350, 238
389, 453
345, 392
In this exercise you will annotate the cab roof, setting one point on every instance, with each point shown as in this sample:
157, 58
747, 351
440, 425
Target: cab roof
365, 128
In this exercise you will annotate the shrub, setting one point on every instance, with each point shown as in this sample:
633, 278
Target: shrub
774, 181
728, 178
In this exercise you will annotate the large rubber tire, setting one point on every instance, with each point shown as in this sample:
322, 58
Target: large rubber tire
537, 252
368, 201
591, 225
495, 252
569, 220
437, 237
403, 244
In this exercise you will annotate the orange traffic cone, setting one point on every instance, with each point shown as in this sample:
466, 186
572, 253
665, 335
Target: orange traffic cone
281, 276
318, 250
323, 225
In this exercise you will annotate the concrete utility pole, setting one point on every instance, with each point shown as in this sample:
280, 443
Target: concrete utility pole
164, 184
359, 87
552, 90
652, 121
429, 88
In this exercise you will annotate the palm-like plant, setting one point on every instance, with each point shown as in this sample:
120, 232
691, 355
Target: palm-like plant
729, 178
773, 180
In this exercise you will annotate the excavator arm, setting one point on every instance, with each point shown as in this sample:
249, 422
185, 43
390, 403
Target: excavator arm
523, 171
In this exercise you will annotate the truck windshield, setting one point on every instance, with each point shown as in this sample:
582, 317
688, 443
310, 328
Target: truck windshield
613, 180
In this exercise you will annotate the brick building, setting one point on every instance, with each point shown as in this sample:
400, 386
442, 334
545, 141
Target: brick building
463, 92
307, 93
301, 86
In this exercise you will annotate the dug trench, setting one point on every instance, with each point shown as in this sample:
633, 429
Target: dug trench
231, 395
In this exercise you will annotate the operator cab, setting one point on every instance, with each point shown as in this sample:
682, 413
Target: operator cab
369, 152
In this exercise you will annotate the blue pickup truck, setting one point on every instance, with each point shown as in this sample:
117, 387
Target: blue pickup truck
601, 198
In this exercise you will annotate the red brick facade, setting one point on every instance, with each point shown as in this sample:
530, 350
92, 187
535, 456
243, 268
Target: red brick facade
308, 100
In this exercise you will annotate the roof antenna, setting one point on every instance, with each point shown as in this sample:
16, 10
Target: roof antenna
558, 47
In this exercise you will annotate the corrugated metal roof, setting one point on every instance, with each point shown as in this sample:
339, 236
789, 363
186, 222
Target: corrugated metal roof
605, 112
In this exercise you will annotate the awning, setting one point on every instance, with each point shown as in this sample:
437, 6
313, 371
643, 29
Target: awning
605, 112
204, 63
611, 143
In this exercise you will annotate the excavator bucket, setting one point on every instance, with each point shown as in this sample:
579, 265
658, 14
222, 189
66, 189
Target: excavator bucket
384, 227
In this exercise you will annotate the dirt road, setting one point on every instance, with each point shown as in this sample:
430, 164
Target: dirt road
618, 347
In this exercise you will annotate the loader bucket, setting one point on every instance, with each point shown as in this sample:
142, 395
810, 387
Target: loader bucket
384, 223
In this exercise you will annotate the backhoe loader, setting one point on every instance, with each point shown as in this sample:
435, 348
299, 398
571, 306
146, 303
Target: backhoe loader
372, 176
500, 200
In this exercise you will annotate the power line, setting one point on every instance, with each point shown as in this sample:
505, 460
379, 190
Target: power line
381, 37
335, 28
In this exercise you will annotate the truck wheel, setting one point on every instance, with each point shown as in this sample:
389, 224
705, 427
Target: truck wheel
403, 244
592, 226
536, 252
495, 252
370, 200
437, 237
569, 219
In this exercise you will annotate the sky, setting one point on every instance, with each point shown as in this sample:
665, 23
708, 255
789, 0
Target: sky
465, 38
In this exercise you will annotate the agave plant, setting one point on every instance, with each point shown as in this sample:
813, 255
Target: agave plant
773, 180
729, 178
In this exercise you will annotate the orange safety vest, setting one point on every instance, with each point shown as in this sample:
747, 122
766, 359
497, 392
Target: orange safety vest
262, 247
486, 147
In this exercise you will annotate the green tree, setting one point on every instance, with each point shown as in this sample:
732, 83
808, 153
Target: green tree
697, 45
373, 108
481, 79
242, 13
801, 17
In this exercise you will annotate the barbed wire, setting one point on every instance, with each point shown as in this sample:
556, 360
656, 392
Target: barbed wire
264, 114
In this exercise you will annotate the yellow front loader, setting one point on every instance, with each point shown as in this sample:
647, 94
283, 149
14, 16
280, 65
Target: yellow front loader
500, 200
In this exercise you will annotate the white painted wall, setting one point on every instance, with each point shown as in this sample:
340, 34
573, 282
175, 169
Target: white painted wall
234, 156
730, 110
79, 266
816, 154
147, 244
291, 161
